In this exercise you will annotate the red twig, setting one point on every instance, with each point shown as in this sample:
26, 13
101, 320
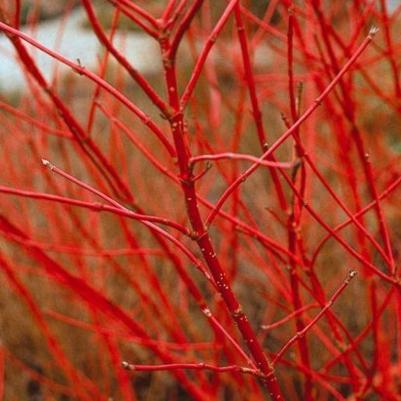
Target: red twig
328, 305
191, 366
318, 101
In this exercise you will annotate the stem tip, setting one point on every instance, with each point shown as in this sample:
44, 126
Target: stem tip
373, 30
46, 163
126, 365
352, 274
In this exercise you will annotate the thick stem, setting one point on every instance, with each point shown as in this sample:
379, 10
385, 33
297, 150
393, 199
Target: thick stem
201, 235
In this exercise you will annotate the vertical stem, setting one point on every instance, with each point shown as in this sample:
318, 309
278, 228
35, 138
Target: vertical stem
293, 223
349, 111
200, 233
257, 114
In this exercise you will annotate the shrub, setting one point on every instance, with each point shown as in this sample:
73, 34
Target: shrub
192, 233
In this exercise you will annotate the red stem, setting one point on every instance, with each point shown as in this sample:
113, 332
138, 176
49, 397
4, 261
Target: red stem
328, 305
201, 235
318, 101
191, 366
96, 79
